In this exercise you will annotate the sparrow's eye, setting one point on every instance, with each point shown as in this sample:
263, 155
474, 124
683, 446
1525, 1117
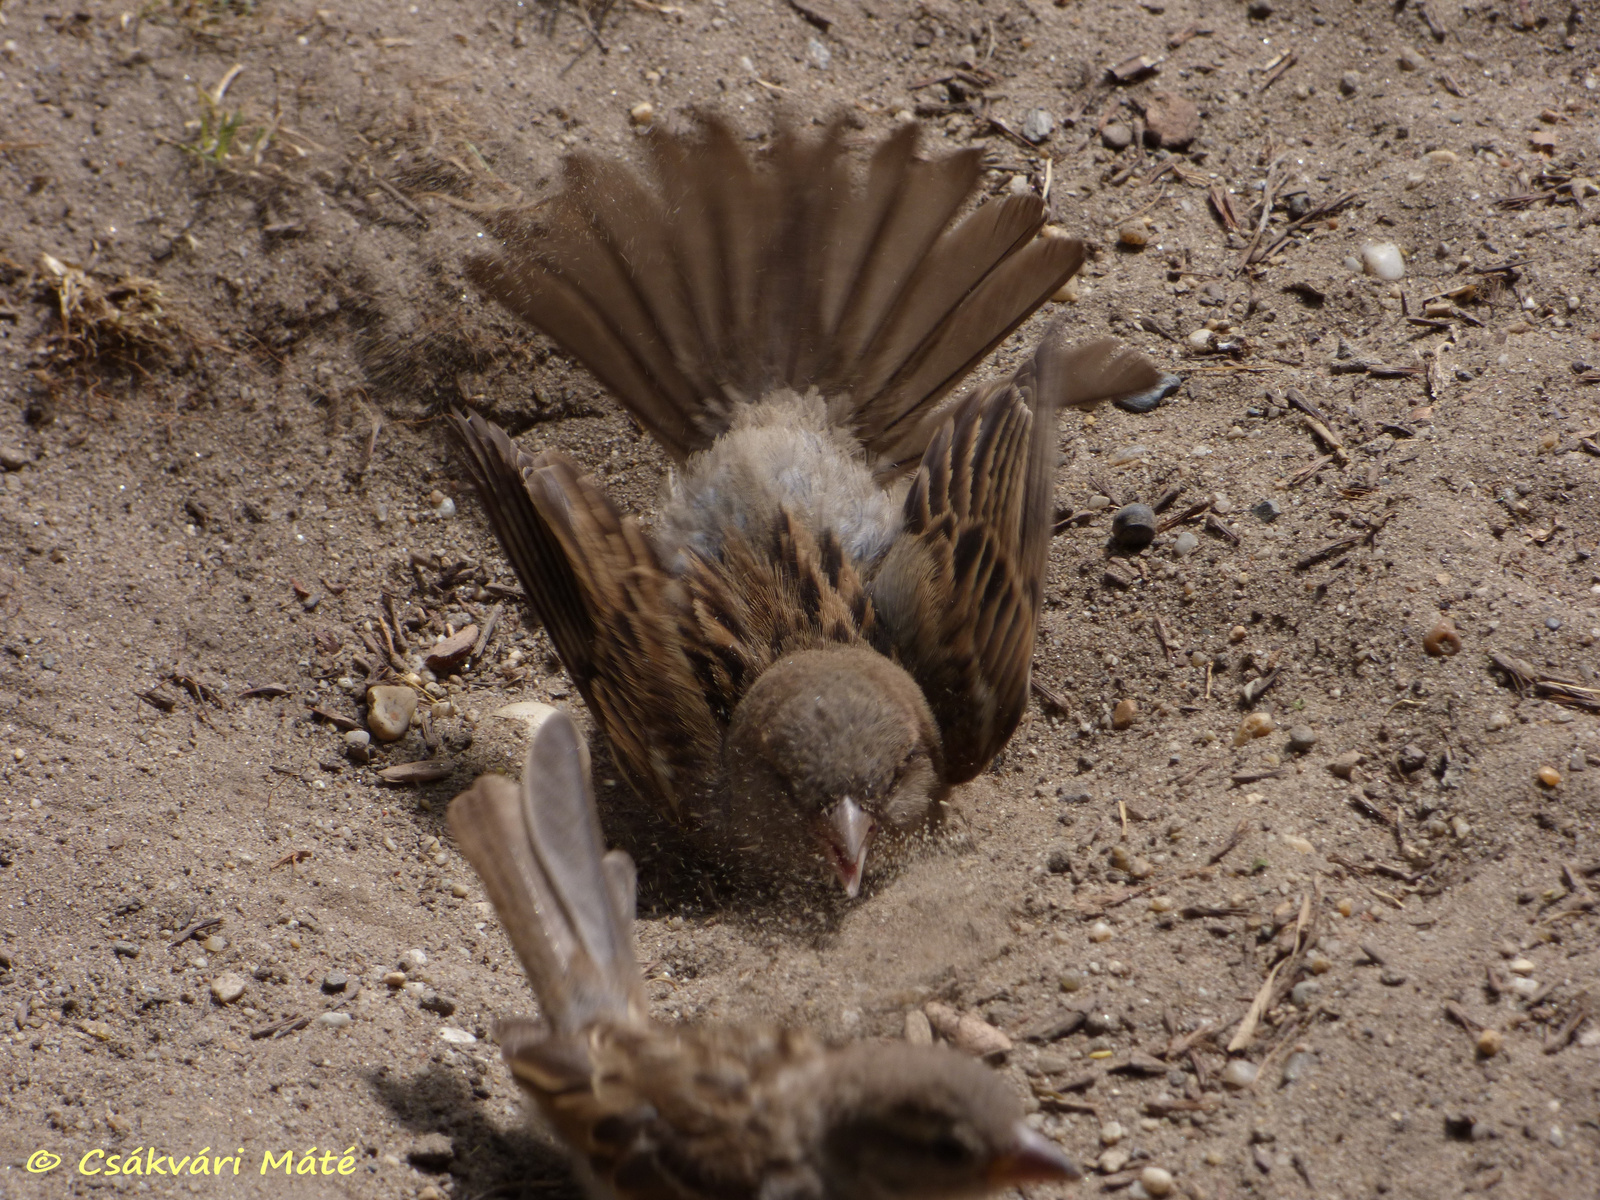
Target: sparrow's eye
950, 1151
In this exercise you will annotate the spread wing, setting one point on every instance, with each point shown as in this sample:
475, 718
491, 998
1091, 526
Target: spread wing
594, 580
959, 592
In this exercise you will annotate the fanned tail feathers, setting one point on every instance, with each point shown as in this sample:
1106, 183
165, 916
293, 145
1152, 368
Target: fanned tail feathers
720, 280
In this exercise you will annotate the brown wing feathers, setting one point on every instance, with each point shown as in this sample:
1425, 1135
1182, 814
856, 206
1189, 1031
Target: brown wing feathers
593, 579
955, 593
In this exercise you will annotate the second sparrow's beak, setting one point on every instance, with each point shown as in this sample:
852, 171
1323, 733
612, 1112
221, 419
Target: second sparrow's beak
1031, 1158
846, 832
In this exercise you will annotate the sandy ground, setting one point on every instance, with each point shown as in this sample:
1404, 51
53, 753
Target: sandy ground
231, 312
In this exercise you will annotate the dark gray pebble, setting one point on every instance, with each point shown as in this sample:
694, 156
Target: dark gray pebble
1133, 527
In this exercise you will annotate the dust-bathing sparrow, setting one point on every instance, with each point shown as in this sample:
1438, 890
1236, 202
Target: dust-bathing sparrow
832, 619
659, 1112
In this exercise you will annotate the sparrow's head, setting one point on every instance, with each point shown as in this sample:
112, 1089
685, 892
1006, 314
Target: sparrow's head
832, 747
908, 1121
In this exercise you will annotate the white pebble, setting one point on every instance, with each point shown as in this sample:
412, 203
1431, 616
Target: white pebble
1239, 1073
1157, 1181
1100, 932
1111, 1133
1383, 260
334, 1020
457, 1037
1200, 339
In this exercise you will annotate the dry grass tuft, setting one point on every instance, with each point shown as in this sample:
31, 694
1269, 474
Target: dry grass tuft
127, 322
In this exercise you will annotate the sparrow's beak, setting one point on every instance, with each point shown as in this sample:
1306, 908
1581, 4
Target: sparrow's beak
1031, 1158
846, 832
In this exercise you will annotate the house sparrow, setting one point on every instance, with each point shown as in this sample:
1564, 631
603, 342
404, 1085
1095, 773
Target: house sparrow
659, 1112
832, 620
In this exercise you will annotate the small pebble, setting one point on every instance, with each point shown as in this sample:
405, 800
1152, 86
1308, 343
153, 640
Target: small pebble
1038, 125
1171, 120
1200, 340
1552, 623
1238, 634
1185, 544
1073, 981
432, 1151
1127, 711
1297, 1066
1349, 83
1157, 1181
334, 982
1133, 527
1411, 758
918, 1031
642, 114
1442, 641
1112, 1160
334, 1020
413, 961
1254, 725
457, 1037
1100, 932
1576, 763
1550, 777
1498, 721
446, 655
1383, 260
394, 979
1239, 1073
1302, 738
966, 1031
435, 1003
227, 987
1116, 136
1521, 966
1134, 235
1111, 1133
389, 711
1267, 510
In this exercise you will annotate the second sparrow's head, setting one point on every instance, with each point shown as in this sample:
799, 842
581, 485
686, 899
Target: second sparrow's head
829, 750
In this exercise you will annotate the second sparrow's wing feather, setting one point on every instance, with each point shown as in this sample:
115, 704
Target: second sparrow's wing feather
538, 850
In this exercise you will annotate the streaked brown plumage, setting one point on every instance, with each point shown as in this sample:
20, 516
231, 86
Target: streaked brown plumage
811, 646
656, 1112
